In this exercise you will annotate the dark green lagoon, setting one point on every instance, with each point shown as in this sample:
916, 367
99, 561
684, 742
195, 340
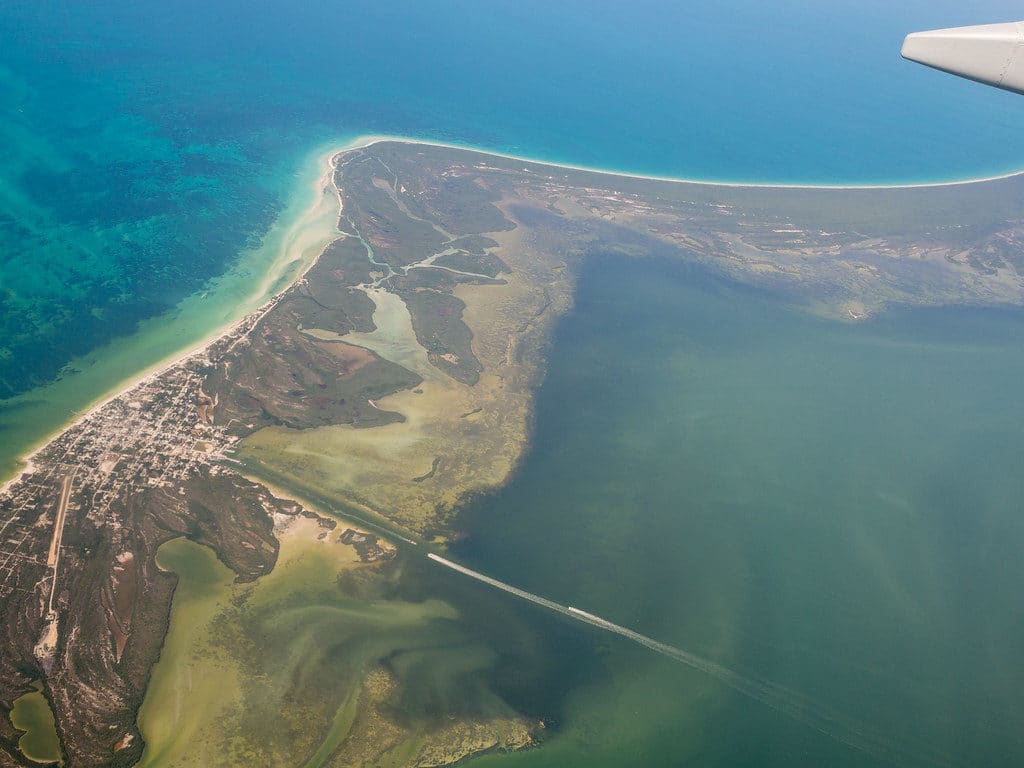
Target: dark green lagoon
831, 507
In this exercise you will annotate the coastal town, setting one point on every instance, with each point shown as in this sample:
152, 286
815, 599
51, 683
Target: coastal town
81, 524
157, 435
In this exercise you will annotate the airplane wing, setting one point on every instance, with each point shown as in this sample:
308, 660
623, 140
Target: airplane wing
991, 53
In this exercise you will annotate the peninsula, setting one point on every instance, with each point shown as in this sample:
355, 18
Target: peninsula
390, 383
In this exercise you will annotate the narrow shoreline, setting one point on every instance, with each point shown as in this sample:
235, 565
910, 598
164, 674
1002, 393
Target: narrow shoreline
368, 140
326, 181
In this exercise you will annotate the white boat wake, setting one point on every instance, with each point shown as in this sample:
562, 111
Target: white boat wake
815, 715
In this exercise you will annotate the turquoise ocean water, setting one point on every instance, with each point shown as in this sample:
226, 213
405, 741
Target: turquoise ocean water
146, 144
829, 507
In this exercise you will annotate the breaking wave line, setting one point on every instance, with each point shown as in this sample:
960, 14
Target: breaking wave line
813, 714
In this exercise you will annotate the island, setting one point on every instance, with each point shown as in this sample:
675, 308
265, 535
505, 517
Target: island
394, 380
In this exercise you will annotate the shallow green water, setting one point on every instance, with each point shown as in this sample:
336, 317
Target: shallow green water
269, 673
829, 508
834, 508
188, 689
32, 714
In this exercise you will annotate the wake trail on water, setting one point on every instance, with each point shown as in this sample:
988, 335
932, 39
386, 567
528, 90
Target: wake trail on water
793, 704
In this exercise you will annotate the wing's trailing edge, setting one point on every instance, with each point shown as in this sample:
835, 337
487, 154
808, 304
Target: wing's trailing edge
991, 53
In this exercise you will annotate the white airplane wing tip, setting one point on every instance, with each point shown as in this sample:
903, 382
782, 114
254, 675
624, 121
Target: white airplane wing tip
990, 53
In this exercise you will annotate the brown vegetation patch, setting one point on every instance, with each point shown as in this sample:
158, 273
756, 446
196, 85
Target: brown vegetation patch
350, 357
119, 598
378, 738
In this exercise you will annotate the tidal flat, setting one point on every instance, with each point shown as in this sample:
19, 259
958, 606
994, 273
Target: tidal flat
278, 672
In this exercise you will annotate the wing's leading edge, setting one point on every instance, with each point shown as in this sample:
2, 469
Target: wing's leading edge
991, 53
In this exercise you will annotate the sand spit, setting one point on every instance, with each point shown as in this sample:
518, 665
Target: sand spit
370, 139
